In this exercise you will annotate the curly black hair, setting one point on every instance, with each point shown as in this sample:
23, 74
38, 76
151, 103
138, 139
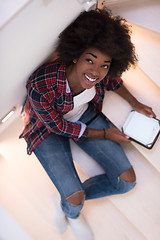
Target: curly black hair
99, 29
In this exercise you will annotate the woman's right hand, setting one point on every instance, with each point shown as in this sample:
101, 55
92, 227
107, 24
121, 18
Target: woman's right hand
116, 135
112, 134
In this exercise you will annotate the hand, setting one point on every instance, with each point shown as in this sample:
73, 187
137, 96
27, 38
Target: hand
141, 108
116, 135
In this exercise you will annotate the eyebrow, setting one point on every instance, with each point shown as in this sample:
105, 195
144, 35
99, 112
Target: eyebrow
96, 56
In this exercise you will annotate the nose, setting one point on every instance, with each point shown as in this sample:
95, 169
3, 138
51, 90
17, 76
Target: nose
95, 71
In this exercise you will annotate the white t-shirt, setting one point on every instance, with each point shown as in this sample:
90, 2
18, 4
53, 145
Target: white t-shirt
80, 104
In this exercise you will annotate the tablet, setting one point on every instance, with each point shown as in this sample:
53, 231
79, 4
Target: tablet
142, 129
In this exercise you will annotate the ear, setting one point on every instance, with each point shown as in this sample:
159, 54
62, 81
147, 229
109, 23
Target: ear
74, 60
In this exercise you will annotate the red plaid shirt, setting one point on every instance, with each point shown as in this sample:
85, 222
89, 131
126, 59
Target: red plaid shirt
47, 101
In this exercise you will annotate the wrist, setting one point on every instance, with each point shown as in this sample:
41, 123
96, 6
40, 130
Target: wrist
96, 133
104, 133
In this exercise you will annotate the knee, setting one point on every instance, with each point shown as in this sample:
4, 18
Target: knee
129, 175
127, 180
76, 198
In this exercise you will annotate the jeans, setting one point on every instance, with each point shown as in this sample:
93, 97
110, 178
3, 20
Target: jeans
55, 155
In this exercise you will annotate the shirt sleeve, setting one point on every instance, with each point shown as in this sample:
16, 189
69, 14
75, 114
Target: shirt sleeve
114, 83
54, 122
83, 128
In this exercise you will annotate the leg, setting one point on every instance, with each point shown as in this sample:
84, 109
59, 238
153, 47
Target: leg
76, 198
119, 177
129, 175
55, 156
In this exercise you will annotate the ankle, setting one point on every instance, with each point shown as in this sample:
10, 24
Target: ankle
60, 220
80, 228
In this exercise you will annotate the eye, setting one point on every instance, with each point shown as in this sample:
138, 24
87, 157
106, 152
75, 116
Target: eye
89, 60
105, 66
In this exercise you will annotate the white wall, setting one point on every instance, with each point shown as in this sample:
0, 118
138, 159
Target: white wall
144, 16
25, 42
144, 13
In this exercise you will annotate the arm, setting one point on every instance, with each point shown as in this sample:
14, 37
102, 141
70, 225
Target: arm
113, 133
136, 105
47, 115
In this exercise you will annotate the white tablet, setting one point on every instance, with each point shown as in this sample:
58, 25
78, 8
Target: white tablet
142, 129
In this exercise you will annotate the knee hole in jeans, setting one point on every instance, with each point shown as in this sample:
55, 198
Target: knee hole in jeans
129, 175
76, 198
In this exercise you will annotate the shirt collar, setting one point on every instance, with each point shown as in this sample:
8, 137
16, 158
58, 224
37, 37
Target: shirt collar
68, 90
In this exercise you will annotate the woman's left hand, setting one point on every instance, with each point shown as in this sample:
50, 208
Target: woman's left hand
141, 108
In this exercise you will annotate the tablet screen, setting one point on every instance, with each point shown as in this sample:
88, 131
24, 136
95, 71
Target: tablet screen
141, 128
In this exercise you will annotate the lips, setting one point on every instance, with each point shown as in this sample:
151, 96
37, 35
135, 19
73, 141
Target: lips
90, 79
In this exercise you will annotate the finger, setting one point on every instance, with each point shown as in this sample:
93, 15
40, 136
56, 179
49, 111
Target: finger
151, 114
127, 138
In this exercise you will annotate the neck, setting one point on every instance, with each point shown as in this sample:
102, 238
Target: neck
72, 80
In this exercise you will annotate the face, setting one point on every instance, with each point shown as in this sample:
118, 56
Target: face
91, 67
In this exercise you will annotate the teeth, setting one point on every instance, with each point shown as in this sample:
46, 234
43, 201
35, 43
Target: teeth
91, 79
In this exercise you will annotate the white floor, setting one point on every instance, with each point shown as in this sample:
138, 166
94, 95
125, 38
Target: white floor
26, 193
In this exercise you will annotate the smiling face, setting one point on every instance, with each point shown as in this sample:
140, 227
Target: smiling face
91, 67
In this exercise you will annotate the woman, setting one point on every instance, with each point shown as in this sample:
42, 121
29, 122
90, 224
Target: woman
64, 100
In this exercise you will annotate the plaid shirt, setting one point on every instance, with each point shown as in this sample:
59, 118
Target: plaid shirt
48, 100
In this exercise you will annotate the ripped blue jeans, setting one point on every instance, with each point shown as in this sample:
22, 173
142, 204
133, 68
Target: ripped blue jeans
55, 155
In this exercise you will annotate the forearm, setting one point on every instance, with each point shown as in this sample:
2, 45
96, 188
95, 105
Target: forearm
95, 133
112, 134
136, 105
124, 93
